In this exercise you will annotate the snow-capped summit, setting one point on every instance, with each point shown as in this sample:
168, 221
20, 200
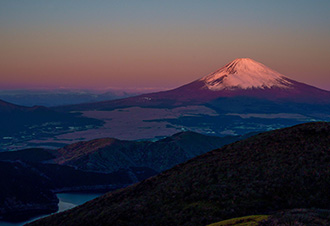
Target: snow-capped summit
245, 73
241, 78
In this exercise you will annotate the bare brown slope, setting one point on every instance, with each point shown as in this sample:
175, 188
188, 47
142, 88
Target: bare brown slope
282, 169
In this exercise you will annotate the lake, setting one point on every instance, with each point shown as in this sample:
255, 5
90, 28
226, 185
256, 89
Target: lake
67, 201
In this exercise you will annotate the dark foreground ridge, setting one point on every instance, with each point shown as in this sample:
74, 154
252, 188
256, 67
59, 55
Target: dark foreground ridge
102, 164
272, 171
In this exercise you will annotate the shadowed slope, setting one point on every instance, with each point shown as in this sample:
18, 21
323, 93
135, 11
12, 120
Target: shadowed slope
109, 154
282, 169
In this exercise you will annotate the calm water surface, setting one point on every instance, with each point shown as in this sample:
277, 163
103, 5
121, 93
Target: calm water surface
67, 201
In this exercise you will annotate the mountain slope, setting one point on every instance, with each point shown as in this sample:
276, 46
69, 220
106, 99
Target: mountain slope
8, 107
244, 96
245, 73
28, 155
108, 154
241, 77
281, 169
125, 162
301, 217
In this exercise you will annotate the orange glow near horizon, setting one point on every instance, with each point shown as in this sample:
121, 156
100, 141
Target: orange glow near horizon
155, 55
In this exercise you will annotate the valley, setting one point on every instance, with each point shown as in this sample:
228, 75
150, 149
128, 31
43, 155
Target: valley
136, 123
281, 170
241, 97
99, 165
159, 145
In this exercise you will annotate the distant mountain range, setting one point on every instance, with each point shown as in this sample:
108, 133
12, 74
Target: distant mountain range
19, 123
50, 98
272, 171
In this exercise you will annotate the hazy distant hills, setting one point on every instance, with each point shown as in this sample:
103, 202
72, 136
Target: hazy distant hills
25, 123
51, 98
281, 169
6, 107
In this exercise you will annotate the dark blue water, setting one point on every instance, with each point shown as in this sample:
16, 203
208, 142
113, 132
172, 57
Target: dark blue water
67, 201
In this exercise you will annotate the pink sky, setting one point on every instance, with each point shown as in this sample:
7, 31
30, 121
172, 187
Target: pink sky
44, 47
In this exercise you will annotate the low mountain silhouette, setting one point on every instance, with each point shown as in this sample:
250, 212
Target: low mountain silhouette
108, 154
19, 122
276, 170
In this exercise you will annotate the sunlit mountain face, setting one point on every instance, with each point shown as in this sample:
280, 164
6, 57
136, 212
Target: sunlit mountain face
243, 77
245, 73
249, 78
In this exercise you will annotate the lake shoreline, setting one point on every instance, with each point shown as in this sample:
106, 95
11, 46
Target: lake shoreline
66, 200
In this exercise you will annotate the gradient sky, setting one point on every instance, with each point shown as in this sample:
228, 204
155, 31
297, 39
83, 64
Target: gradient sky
162, 44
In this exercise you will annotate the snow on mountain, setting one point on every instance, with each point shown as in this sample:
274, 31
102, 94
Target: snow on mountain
245, 73
242, 77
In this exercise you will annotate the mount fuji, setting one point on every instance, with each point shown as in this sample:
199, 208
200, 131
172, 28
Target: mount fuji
245, 73
241, 97
243, 77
